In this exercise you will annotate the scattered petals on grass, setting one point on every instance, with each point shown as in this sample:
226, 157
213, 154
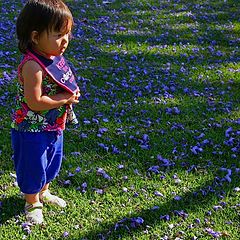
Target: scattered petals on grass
26, 226
65, 234
158, 122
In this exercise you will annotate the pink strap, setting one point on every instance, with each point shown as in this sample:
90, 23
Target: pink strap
26, 59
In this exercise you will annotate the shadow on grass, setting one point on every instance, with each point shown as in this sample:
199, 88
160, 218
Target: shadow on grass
190, 202
11, 207
167, 30
6, 162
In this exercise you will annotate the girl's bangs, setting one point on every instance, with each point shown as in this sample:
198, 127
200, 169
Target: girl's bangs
61, 21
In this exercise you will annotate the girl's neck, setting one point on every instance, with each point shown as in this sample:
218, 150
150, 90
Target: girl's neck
42, 54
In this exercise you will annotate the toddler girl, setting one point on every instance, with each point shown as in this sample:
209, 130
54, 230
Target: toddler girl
46, 91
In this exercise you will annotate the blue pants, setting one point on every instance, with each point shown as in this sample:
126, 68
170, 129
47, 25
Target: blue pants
37, 158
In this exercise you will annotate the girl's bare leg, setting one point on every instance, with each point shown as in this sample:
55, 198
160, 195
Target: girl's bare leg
32, 198
45, 187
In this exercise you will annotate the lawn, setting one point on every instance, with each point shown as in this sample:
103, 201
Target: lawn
156, 152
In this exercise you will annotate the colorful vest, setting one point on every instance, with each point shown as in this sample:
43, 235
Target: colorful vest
57, 77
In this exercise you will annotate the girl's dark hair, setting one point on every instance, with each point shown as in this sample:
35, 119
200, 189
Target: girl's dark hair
40, 15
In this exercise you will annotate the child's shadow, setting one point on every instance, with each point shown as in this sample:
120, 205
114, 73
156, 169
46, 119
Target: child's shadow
11, 207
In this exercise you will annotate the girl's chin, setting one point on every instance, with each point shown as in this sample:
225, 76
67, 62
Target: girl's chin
62, 51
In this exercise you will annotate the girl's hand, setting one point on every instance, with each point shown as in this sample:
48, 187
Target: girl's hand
72, 98
77, 94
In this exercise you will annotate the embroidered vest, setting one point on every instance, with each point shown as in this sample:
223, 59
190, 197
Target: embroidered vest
57, 76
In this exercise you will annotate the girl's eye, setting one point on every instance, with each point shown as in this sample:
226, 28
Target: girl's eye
59, 35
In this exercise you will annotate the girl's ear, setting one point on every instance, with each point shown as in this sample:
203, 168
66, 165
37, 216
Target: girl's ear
34, 37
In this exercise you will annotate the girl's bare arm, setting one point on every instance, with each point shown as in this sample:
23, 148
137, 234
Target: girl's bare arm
32, 74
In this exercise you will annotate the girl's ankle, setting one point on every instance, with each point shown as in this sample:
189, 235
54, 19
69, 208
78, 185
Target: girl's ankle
32, 198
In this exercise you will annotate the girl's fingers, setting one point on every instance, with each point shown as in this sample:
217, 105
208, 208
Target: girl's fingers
77, 95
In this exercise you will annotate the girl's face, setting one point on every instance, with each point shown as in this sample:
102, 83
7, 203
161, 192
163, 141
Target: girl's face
53, 43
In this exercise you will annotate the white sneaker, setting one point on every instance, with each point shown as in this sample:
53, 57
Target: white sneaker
34, 213
47, 197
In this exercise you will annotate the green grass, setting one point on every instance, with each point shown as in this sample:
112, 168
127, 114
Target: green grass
139, 60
